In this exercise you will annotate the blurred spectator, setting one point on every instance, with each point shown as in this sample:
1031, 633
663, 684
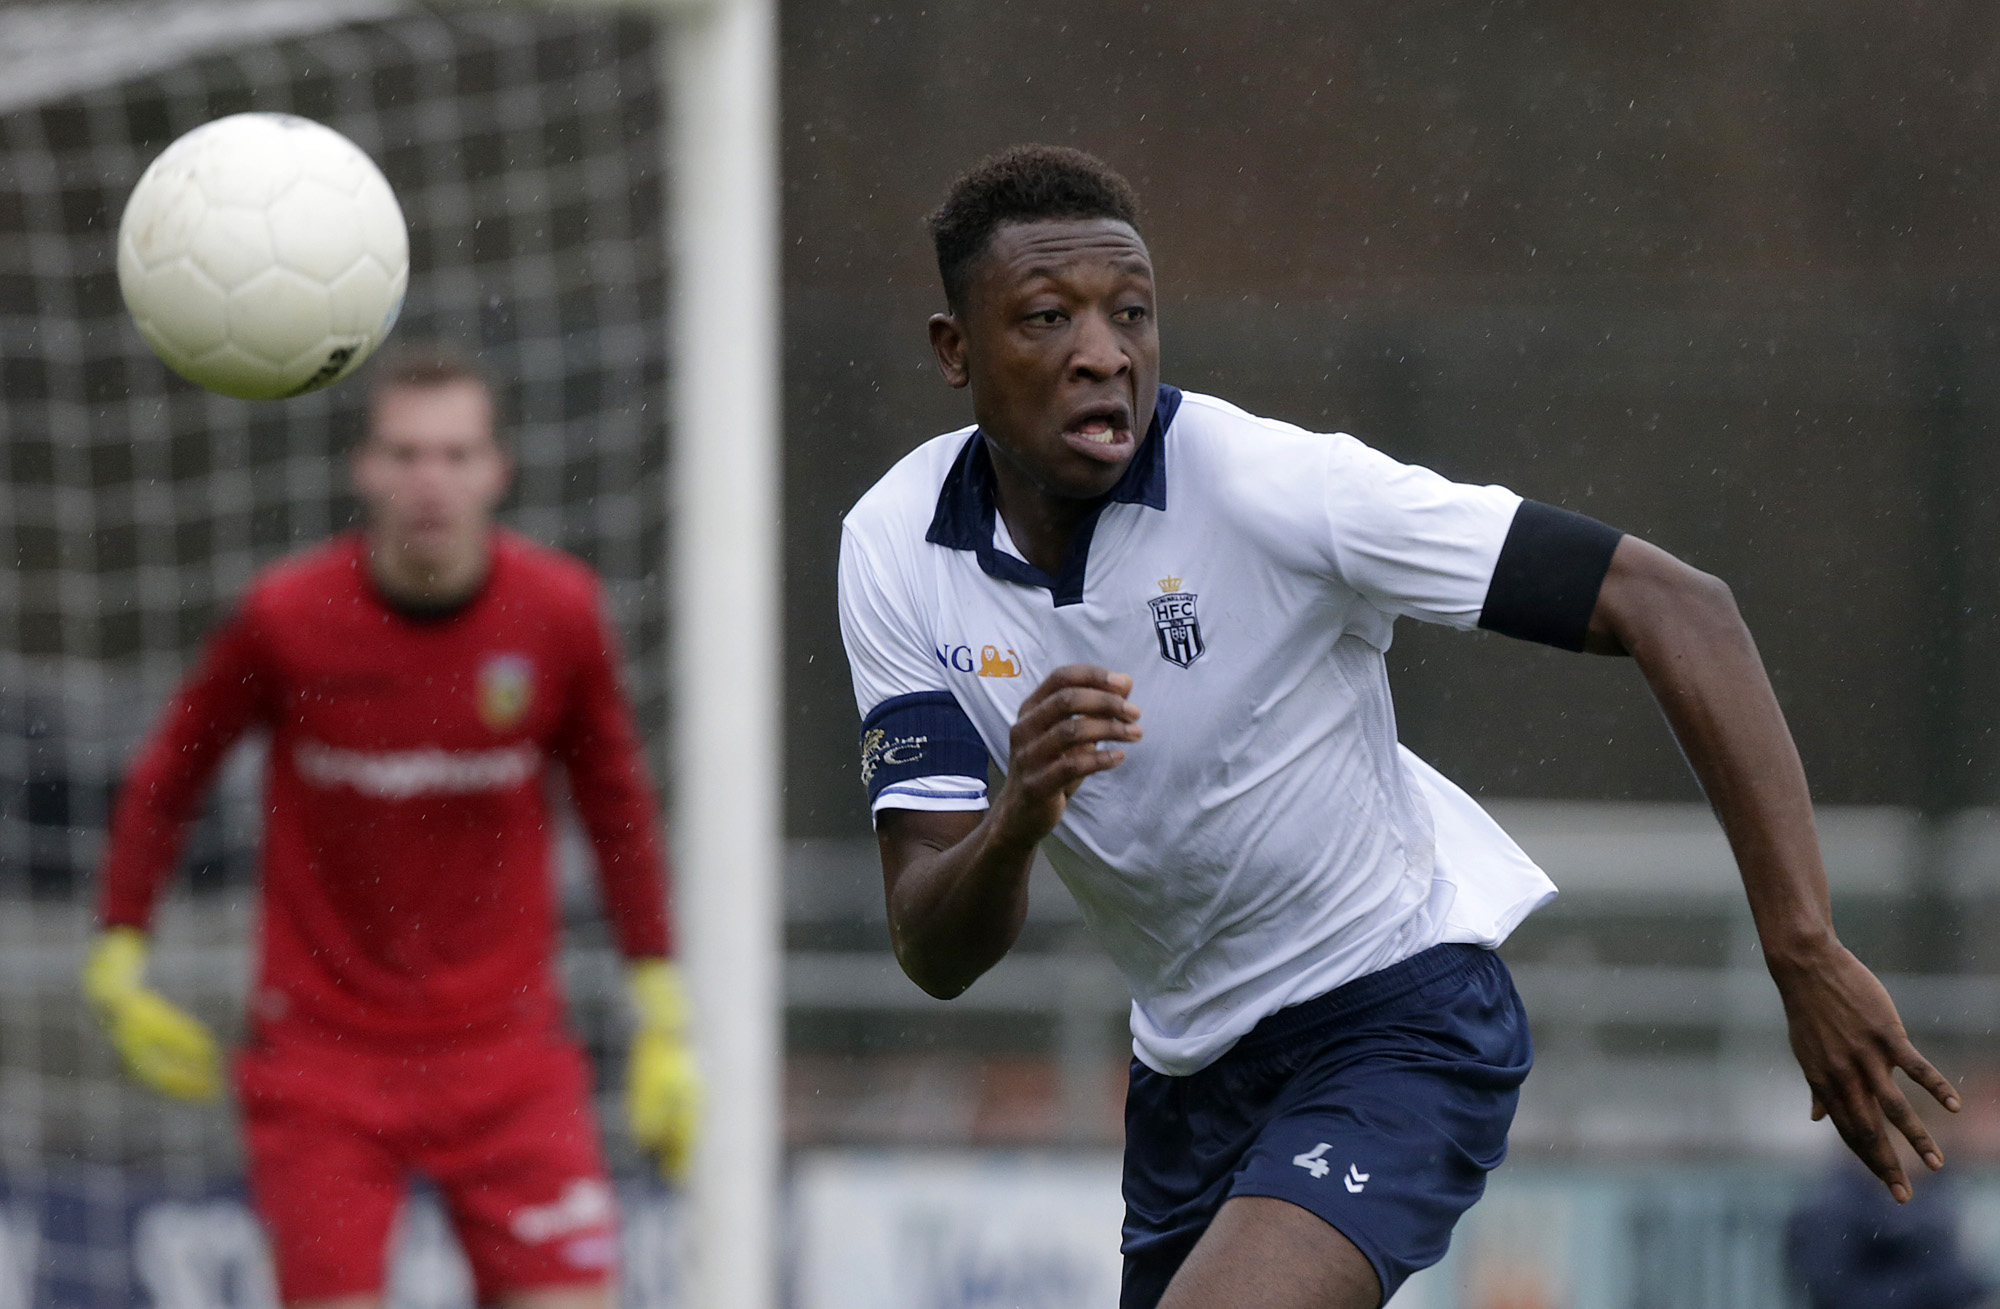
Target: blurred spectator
1852, 1247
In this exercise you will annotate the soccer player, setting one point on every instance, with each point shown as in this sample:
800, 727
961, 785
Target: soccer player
1328, 1050
417, 678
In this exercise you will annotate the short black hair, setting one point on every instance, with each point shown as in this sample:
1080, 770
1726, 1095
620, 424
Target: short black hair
1021, 184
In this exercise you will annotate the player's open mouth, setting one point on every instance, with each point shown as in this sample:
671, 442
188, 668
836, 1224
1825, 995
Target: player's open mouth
1101, 432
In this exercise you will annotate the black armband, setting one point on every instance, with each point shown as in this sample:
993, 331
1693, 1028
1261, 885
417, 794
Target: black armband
1545, 583
923, 734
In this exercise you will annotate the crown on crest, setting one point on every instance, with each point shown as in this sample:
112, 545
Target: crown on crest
1170, 584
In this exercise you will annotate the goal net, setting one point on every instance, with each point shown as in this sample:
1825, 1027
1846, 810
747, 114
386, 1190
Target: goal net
527, 148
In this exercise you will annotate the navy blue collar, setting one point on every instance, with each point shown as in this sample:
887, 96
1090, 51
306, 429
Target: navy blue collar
965, 507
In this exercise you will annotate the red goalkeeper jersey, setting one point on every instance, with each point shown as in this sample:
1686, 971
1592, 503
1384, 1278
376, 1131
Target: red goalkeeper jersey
405, 865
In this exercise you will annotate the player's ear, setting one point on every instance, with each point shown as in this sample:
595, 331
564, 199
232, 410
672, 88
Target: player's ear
949, 345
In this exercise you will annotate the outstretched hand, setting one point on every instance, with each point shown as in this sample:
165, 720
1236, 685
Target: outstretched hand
1849, 1042
1068, 728
1683, 628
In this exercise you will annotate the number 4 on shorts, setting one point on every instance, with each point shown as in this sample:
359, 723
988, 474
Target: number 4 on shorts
1311, 1161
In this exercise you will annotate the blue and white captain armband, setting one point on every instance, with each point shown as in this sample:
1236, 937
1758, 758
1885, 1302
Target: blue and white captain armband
920, 751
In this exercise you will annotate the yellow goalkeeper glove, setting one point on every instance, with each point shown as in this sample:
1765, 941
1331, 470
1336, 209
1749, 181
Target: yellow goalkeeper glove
162, 1046
662, 1087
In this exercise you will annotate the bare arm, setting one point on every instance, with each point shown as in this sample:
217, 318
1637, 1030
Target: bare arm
1683, 629
957, 883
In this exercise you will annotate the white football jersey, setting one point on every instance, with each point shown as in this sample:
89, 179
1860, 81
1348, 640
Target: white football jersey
1268, 840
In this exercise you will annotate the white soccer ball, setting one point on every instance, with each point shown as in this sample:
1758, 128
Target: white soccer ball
263, 255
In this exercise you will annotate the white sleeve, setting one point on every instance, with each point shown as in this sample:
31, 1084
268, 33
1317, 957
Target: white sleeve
919, 750
1413, 543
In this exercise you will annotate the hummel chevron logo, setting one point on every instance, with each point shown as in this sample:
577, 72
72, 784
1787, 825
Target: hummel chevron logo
1311, 1161
1314, 1162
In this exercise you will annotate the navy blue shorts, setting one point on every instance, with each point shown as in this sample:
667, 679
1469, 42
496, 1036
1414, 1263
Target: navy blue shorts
1380, 1106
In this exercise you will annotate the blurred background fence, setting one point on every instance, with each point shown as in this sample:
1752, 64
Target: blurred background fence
1720, 273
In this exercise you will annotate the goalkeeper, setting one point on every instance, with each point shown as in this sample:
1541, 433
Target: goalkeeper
416, 678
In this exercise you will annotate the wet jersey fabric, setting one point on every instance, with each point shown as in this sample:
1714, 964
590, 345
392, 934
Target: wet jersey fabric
1268, 840
405, 888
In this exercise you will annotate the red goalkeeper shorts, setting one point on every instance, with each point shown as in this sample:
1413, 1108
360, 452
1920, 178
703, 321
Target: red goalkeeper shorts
502, 1129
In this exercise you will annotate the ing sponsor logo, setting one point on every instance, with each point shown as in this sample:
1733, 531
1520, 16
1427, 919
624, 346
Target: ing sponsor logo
989, 662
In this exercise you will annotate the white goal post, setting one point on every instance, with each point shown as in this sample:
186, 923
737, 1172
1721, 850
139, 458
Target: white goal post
720, 71
724, 665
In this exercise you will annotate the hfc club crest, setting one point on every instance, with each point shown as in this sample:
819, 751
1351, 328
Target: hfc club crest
506, 686
1175, 623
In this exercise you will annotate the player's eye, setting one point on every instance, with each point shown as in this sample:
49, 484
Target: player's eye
1133, 314
1046, 317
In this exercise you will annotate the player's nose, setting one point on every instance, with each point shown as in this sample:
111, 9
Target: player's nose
1100, 351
